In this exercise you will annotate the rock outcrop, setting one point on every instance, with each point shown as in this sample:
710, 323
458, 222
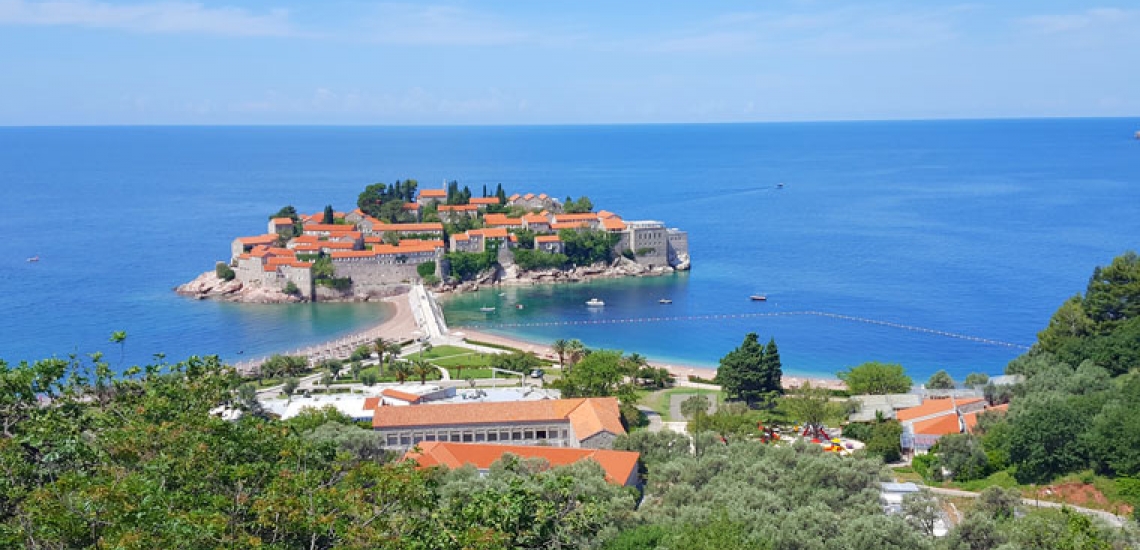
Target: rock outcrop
209, 285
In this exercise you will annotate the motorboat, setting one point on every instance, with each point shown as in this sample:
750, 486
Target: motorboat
487, 309
779, 186
664, 301
594, 302
758, 298
34, 259
518, 306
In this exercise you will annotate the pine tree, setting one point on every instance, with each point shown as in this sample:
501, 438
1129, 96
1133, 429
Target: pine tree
330, 217
742, 372
773, 369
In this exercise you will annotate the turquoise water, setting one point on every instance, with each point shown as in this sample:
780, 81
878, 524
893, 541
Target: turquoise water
979, 228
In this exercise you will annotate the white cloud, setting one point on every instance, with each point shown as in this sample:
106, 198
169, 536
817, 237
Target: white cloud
160, 17
1090, 19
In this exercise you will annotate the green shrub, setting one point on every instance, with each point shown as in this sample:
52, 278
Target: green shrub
224, 272
291, 288
426, 269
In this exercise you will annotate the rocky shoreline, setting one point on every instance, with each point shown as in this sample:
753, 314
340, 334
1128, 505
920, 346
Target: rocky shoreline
208, 286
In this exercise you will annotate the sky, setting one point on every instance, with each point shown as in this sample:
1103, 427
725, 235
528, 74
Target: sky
96, 62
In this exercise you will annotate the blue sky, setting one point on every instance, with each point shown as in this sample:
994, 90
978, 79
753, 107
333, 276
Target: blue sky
357, 62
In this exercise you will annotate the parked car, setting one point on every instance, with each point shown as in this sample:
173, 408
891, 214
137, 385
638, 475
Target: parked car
537, 373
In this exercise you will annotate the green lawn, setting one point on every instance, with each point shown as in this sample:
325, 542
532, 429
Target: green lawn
439, 352
472, 360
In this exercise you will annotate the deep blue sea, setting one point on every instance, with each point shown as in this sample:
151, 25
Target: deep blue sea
975, 228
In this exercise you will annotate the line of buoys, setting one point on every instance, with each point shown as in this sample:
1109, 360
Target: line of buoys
721, 316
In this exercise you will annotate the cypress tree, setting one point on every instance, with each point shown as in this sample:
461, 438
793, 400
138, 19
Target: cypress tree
329, 216
773, 369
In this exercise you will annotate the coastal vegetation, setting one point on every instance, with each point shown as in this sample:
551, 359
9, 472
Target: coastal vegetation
752, 372
385, 202
1075, 413
876, 378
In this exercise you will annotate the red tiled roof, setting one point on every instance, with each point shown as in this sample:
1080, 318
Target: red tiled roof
282, 221
485, 200
583, 217
569, 225
457, 208
461, 237
547, 239
329, 227
535, 218
370, 403
588, 416
411, 206
352, 254
613, 224
501, 219
433, 194
514, 197
528, 196
618, 465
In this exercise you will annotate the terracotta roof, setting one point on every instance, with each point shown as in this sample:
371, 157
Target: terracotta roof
278, 251
457, 208
269, 267
603, 214
305, 239
613, 224
401, 395
433, 194
618, 465
543, 196
485, 200
583, 217
299, 264
409, 227
329, 227
461, 237
514, 197
569, 225
335, 245
528, 196
588, 416
933, 406
411, 206
490, 233
370, 403
306, 247
942, 425
282, 221
259, 239
547, 239
535, 218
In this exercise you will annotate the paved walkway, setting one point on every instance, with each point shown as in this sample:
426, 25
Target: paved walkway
1112, 519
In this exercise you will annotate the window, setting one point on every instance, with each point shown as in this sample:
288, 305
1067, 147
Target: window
540, 434
405, 440
429, 437
529, 434
467, 438
493, 436
392, 440
480, 437
516, 436
455, 436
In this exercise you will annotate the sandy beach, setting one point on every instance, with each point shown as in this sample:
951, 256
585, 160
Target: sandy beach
682, 372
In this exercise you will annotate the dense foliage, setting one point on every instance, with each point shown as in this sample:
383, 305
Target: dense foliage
531, 260
466, 265
876, 378
1076, 409
752, 372
386, 202
585, 247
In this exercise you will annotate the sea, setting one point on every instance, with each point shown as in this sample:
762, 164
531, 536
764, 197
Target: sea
933, 244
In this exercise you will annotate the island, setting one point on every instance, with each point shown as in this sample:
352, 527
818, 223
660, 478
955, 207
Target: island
444, 238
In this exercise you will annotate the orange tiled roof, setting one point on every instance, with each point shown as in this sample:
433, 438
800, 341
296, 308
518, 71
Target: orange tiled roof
569, 225
307, 247
490, 233
421, 243
618, 465
409, 227
543, 196
411, 206
603, 214
535, 218
583, 217
352, 254
259, 239
514, 197
613, 224
933, 406
457, 208
401, 395
588, 416
501, 219
485, 200
941, 425
528, 196
329, 227
335, 245
299, 264
305, 239
547, 239
370, 403
282, 221
433, 194
461, 237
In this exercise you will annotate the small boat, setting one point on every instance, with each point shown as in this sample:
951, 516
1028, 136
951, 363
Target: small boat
518, 306
502, 294
594, 302
664, 301
34, 259
487, 309
758, 298
779, 186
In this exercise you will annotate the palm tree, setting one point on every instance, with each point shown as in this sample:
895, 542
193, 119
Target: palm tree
401, 370
381, 348
394, 351
422, 369
560, 347
575, 351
